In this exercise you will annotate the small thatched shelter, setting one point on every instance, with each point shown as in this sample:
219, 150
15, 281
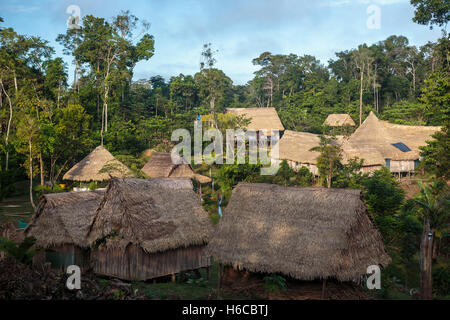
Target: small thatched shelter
304, 233
339, 120
381, 143
161, 165
89, 168
60, 225
145, 229
260, 118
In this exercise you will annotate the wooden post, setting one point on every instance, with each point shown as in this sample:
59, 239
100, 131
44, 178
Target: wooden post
173, 277
219, 277
324, 283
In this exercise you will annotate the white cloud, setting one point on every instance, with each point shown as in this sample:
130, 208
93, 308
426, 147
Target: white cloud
19, 8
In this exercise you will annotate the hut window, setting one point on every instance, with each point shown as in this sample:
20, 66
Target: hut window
401, 146
388, 163
416, 163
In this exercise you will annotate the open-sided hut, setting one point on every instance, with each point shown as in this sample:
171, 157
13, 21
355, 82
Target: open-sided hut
303, 233
260, 118
339, 120
145, 229
90, 168
60, 226
161, 165
381, 143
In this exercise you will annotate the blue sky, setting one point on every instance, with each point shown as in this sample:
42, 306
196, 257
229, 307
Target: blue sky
240, 30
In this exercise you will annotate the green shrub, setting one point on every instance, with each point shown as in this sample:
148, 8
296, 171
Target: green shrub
21, 252
274, 283
441, 280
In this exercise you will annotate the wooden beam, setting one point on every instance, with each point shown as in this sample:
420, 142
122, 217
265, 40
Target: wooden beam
324, 283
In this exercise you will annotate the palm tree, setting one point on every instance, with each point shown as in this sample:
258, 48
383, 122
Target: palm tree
434, 204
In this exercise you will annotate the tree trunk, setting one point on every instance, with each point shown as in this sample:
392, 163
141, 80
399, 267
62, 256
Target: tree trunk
426, 246
360, 96
41, 164
30, 159
9, 125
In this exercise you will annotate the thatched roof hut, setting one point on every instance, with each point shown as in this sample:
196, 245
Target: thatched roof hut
161, 165
61, 223
339, 120
149, 228
376, 140
89, 168
295, 147
305, 233
260, 118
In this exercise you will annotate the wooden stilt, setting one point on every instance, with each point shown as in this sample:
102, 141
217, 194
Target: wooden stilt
324, 283
219, 278
173, 277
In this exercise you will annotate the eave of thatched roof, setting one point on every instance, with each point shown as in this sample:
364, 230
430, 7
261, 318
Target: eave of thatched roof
373, 140
339, 119
63, 218
260, 118
161, 165
155, 214
306, 233
89, 168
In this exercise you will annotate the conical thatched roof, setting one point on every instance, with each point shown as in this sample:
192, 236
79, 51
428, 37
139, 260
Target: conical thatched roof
160, 165
63, 218
306, 233
339, 120
373, 141
155, 214
260, 118
100, 158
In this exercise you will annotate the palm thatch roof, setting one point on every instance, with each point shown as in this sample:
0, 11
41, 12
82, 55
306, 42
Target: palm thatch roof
260, 118
373, 141
296, 146
63, 218
305, 233
339, 120
89, 168
155, 214
161, 165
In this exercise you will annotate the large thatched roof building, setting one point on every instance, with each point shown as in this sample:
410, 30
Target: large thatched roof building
295, 147
60, 225
339, 120
381, 143
305, 233
149, 228
89, 168
260, 118
161, 165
